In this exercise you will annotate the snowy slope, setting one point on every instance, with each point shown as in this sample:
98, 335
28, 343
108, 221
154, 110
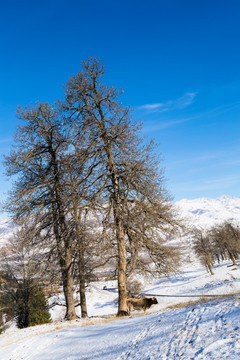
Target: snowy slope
205, 212
187, 323
202, 329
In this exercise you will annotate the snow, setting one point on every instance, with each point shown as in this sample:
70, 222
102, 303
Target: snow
205, 212
197, 315
185, 324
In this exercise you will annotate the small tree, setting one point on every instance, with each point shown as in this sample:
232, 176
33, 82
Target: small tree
31, 305
226, 240
23, 263
203, 247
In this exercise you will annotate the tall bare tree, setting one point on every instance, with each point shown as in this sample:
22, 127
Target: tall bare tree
86, 154
120, 158
38, 165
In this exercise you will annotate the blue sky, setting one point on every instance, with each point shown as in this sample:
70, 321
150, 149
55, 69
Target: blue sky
177, 61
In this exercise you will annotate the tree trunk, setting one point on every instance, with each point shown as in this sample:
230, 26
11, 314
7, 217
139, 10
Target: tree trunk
82, 281
210, 269
81, 259
122, 257
232, 257
83, 301
122, 266
63, 240
65, 262
68, 288
67, 279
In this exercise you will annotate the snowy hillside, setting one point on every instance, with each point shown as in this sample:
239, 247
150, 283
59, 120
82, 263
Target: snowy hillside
197, 315
205, 328
204, 331
205, 212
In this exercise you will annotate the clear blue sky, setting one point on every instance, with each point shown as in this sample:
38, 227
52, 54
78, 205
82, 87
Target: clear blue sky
178, 62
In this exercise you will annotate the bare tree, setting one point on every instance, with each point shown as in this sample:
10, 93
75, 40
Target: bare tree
119, 158
38, 165
85, 155
203, 247
56, 185
226, 239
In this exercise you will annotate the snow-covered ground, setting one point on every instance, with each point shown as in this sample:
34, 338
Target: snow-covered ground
204, 331
187, 323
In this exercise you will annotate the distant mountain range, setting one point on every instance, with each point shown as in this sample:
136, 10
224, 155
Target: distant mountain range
206, 212
202, 213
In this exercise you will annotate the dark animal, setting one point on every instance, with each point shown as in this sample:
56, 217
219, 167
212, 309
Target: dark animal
140, 304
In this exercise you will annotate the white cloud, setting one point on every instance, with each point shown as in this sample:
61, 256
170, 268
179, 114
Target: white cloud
184, 101
180, 103
151, 107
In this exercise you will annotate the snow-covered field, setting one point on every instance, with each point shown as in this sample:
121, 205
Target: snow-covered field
191, 327
187, 323
204, 331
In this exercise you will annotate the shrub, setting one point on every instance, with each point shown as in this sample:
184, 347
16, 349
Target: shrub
31, 305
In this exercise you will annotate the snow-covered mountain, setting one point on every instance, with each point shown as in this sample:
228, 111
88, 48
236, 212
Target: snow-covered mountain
202, 212
205, 212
